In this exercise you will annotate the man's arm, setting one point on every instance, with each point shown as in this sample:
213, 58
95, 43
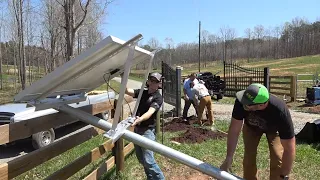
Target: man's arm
289, 147
130, 92
145, 116
184, 92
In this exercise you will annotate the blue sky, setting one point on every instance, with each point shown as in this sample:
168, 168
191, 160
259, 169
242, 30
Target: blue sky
178, 19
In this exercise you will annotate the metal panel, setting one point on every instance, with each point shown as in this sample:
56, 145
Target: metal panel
87, 71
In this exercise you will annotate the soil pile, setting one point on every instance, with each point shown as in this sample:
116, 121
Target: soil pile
191, 133
198, 135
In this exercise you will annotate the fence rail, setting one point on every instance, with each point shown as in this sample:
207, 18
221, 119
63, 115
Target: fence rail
20, 130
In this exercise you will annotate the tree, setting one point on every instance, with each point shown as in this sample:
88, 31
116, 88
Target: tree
72, 22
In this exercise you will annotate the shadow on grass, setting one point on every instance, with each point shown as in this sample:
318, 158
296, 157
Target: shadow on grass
315, 145
111, 174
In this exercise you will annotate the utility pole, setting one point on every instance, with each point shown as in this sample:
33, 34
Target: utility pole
199, 42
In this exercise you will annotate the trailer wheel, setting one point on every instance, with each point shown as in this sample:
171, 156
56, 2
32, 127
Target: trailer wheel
43, 138
104, 115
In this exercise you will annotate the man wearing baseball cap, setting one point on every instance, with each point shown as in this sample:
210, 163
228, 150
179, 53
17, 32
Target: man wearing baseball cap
258, 112
145, 123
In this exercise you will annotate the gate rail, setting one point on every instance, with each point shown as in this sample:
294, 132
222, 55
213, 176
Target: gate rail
171, 86
239, 78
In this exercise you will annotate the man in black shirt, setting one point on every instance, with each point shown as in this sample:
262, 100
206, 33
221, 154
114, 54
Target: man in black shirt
258, 112
145, 123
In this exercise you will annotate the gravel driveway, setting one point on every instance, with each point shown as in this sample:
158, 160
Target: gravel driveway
223, 111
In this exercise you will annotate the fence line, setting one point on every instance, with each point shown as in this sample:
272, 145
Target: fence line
33, 159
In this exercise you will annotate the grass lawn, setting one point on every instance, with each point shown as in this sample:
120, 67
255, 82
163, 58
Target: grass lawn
213, 152
290, 66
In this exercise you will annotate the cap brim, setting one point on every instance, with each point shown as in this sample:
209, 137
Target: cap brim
243, 100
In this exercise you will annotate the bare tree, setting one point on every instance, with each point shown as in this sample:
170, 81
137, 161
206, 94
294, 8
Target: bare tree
72, 21
170, 49
17, 6
259, 32
154, 44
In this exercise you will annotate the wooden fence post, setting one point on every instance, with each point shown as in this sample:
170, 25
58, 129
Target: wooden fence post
118, 147
266, 78
158, 122
293, 88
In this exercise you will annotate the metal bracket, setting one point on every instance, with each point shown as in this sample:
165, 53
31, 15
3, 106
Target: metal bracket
118, 129
115, 134
48, 103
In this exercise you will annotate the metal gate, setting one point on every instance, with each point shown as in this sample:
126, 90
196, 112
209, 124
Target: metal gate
238, 78
172, 86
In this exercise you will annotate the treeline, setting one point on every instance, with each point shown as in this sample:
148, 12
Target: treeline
296, 38
45, 34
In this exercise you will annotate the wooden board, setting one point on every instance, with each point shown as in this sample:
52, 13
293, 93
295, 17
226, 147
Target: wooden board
24, 163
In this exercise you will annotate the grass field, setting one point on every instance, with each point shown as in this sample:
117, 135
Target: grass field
213, 152
290, 66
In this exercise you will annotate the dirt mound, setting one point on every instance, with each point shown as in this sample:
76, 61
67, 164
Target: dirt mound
198, 135
191, 133
176, 125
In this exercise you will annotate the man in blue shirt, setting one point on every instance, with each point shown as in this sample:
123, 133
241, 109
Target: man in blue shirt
188, 95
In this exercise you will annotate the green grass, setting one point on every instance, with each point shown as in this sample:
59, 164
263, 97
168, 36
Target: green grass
211, 151
136, 78
114, 85
290, 66
214, 151
49, 167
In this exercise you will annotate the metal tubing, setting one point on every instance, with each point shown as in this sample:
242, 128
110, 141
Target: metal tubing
143, 84
152, 145
124, 80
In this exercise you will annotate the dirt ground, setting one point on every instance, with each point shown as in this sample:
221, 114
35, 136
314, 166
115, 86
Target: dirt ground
309, 108
193, 133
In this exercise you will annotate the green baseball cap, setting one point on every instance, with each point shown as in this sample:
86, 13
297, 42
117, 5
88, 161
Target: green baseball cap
254, 94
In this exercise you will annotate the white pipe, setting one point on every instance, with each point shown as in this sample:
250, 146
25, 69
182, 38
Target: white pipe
152, 145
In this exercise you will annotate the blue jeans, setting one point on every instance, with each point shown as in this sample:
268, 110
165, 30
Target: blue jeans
146, 158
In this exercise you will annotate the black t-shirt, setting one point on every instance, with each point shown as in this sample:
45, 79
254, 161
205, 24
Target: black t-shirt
276, 117
148, 100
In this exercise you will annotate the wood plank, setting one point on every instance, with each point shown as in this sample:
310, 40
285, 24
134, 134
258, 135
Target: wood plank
25, 129
24, 163
280, 88
280, 93
280, 77
128, 148
277, 82
103, 168
82, 161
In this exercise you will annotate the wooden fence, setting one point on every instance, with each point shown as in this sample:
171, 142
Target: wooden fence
279, 85
284, 86
24, 129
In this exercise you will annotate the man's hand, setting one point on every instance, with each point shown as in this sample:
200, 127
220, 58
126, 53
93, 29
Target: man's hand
186, 98
226, 165
136, 121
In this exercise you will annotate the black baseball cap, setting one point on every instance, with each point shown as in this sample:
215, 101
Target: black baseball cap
254, 94
155, 75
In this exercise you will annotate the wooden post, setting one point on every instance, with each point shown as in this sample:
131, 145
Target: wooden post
178, 91
118, 147
158, 122
293, 88
266, 78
